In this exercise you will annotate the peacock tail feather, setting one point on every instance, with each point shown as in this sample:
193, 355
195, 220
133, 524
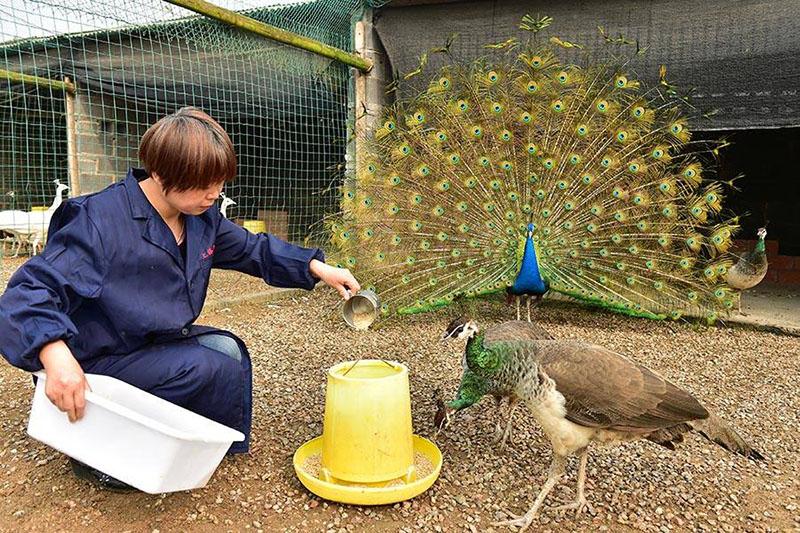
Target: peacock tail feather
624, 215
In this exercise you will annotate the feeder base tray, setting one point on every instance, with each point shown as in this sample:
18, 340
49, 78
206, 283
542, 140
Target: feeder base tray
427, 456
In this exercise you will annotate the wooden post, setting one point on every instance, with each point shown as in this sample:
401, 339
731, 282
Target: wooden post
360, 122
265, 30
369, 94
72, 148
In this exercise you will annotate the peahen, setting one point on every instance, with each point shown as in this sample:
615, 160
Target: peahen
527, 175
579, 393
514, 330
751, 267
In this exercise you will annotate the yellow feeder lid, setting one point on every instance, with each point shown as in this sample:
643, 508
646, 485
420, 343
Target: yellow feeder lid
428, 462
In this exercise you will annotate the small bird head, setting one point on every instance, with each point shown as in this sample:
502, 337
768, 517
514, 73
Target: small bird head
226, 200
530, 230
762, 233
60, 187
460, 328
443, 413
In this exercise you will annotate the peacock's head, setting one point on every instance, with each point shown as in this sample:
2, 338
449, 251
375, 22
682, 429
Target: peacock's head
531, 227
460, 328
762, 233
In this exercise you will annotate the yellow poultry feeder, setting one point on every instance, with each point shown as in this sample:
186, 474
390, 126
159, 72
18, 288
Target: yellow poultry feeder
367, 454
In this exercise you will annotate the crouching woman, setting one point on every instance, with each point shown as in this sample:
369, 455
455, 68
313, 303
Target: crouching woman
125, 274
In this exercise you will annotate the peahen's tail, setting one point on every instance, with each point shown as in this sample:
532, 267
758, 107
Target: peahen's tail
716, 430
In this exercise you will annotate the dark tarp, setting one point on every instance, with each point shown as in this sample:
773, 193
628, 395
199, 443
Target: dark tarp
741, 57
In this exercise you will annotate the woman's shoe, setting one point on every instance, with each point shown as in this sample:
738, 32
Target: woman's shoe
104, 481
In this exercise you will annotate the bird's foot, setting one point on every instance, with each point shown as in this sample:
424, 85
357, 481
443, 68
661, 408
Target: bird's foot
506, 438
501, 438
520, 521
497, 434
579, 506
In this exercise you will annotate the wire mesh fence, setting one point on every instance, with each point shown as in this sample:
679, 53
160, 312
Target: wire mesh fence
81, 80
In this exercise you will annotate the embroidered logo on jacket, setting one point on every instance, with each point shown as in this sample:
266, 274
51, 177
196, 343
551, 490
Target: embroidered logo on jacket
209, 252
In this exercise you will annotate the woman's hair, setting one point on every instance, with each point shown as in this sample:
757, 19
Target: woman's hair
188, 150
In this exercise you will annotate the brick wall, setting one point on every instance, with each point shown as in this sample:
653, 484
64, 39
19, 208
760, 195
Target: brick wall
783, 269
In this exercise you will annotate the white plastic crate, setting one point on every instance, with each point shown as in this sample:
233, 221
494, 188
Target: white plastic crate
149, 443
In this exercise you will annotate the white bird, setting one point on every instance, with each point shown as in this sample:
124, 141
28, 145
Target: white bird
11, 221
31, 226
7, 217
226, 201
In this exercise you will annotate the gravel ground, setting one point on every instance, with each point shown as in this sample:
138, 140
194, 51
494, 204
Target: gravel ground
746, 376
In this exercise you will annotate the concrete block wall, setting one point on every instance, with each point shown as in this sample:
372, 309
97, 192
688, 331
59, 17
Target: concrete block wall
105, 146
95, 170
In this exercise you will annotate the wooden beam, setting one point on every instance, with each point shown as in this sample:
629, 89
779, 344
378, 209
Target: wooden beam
271, 32
36, 80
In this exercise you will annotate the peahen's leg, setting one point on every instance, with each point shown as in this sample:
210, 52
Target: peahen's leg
522, 522
498, 428
580, 504
513, 402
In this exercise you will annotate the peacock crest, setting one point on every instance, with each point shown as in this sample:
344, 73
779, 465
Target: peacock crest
593, 172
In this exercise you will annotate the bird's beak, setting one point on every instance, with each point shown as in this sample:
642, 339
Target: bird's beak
444, 337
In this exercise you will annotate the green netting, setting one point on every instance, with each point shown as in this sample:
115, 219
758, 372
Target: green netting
133, 61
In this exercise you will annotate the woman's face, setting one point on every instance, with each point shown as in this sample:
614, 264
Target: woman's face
194, 201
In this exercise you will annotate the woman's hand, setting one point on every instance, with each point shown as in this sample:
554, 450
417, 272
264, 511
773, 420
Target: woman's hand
339, 278
66, 383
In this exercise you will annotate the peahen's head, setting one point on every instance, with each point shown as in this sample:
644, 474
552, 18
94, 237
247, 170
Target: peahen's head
762, 233
472, 387
460, 328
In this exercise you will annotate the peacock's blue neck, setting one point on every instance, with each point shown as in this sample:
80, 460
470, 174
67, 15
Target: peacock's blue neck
529, 279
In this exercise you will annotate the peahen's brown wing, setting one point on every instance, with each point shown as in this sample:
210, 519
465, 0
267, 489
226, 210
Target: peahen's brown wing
605, 389
515, 330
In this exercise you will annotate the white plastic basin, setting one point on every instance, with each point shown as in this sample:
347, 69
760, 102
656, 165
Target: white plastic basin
149, 443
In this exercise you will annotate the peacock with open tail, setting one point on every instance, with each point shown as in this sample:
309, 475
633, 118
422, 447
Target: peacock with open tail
524, 174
